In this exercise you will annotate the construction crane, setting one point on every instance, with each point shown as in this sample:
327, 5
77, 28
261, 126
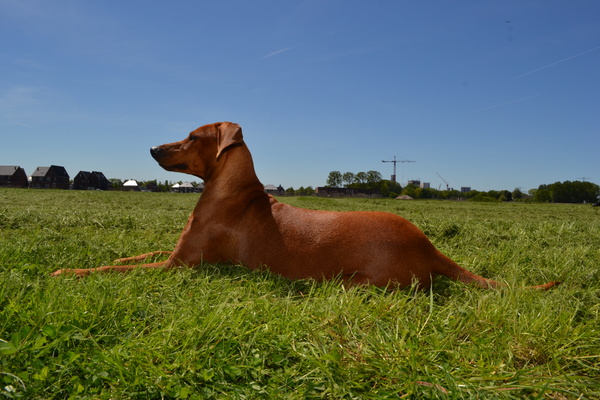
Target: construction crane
397, 161
447, 185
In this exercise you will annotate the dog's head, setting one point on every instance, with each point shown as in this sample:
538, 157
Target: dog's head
199, 153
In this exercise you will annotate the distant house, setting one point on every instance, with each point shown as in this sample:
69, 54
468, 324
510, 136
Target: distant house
13, 176
271, 189
187, 187
52, 177
94, 180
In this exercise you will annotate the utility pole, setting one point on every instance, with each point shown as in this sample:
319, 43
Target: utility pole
397, 161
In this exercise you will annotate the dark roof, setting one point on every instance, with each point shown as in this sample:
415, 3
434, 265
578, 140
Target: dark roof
60, 170
99, 174
85, 174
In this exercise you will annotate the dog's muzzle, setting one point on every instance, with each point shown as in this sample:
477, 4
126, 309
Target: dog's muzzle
158, 154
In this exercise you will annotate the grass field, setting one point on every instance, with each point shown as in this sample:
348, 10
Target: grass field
222, 331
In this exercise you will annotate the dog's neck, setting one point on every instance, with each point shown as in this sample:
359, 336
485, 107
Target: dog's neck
233, 177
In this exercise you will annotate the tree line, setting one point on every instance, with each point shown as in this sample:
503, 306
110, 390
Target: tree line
372, 180
558, 192
567, 192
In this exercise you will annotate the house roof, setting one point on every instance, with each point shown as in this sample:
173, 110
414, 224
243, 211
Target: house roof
8, 169
60, 170
99, 174
185, 185
40, 171
130, 182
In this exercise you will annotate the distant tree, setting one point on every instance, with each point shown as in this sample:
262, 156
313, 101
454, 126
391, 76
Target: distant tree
470, 194
348, 178
289, 191
361, 177
542, 194
505, 195
395, 187
304, 191
495, 194
115, 183
426, 193
483, 197
388, 188
334, 179
152, 186
454, 194
410, 190
517, 194
165, 187
373, 178
384, 188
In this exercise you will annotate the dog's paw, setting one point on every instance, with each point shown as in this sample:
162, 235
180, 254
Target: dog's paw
77, 272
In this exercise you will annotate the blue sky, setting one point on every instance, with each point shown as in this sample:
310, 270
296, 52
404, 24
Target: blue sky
489, 94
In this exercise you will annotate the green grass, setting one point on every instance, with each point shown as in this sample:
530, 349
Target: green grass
222, 331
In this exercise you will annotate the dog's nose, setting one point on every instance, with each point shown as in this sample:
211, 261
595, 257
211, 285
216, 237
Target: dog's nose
155, 151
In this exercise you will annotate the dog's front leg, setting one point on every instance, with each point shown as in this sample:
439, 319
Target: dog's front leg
109, 268
140, 257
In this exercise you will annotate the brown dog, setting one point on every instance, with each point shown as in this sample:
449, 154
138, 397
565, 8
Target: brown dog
235, 221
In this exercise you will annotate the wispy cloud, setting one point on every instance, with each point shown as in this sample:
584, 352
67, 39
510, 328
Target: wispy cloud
504, 104
276, 53
16, 98
17, 103
554, 63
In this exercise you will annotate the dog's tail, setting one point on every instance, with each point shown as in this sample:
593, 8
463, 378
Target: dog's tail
452, 270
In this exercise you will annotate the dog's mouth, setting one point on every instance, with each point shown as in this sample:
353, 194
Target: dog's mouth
176, 167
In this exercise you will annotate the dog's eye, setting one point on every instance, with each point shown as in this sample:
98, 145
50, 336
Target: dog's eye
192, 138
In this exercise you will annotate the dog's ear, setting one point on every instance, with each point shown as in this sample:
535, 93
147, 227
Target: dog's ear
230, 134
